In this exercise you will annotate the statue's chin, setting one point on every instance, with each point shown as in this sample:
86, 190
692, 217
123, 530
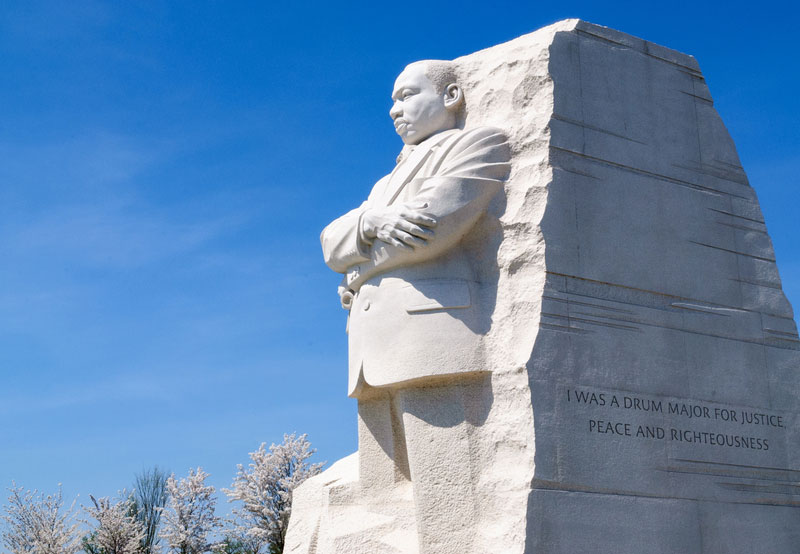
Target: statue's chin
404, 136
412, 139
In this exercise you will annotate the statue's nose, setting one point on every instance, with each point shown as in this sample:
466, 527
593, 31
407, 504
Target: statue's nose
396, 110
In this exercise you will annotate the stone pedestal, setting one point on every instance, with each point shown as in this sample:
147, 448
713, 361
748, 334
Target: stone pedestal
645, 361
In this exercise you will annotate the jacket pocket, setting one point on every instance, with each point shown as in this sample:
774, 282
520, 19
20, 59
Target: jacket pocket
436, 294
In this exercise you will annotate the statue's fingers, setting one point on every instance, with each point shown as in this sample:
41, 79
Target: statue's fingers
416, 230
419, 218
398, 243
408, 238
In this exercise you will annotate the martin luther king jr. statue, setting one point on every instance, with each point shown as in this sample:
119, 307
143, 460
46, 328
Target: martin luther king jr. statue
624, 255
412, 256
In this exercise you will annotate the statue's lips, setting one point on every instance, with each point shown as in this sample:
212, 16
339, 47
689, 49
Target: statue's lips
400, 125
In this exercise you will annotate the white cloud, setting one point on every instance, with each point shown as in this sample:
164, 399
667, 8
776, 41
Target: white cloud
80, 201
112, 235
86, 393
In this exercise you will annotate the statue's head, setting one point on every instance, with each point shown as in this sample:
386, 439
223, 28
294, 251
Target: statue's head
427, 99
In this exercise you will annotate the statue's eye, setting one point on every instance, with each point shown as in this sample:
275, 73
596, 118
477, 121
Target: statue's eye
407, 94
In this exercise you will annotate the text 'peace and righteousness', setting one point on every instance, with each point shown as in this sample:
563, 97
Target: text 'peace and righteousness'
741, 424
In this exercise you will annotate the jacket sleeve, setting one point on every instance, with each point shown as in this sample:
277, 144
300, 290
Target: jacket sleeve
471, 174
342, 245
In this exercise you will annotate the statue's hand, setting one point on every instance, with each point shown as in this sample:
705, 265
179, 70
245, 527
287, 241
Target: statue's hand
403, 225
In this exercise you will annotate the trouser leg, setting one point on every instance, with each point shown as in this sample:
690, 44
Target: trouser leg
381, 444
438, 432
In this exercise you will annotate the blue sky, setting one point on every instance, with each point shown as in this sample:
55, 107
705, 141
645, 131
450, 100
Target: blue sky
165, 170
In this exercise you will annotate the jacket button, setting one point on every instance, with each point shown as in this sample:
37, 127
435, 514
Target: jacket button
366, 305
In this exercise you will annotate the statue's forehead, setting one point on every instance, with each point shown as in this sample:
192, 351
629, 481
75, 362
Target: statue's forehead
412, 75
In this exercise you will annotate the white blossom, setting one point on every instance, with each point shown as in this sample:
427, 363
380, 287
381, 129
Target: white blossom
188, 518
117, 531
35, 523
265, 490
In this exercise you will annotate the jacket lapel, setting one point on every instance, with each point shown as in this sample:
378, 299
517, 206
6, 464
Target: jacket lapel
409, 167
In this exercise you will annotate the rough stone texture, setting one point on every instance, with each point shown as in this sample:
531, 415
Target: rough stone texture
639, 306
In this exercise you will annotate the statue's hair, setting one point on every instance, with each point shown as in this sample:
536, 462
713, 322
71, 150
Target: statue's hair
440, 72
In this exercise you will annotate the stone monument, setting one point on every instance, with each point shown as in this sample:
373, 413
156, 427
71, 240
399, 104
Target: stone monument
567, 330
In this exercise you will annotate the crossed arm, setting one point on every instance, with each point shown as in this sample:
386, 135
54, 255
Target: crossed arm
348, 239
447, 205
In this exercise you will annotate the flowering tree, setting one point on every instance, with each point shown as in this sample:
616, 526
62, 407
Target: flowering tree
189, 518
36, 524
265, 490
117, 530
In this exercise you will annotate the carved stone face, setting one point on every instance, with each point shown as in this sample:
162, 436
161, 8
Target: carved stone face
419, 111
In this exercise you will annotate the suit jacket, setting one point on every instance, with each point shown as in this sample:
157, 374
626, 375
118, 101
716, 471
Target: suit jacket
421, 312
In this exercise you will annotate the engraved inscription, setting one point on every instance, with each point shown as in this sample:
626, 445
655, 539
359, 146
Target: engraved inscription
612, 416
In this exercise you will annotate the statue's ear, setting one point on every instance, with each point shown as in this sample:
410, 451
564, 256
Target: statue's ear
453, 96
